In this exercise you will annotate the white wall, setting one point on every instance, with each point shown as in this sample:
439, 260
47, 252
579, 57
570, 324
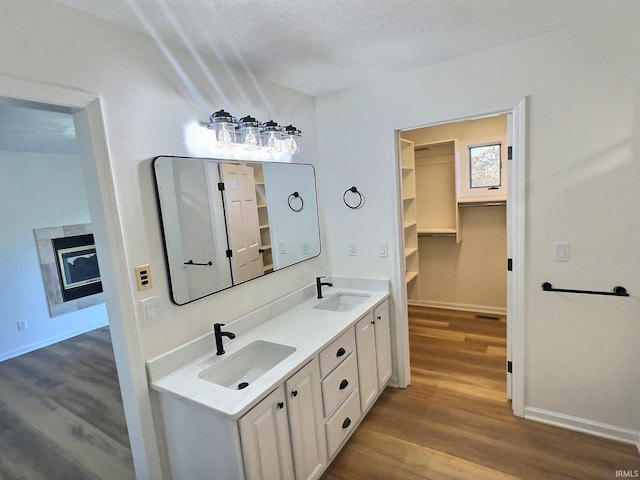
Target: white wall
150, 110
37, 191
154, 100
582, 177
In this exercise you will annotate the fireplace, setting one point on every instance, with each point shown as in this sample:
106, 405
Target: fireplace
77, 263
69, 266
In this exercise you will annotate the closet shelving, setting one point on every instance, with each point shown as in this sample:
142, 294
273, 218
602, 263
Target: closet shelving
410, 217
263, 218
435, 177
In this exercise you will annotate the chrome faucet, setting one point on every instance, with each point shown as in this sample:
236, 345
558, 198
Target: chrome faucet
217, 329
320, 284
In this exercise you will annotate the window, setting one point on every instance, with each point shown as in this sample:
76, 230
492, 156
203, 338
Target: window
481, 169
485, 166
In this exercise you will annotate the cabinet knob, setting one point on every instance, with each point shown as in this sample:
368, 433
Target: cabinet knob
280, 405
346, 423
341, 351
379, 317
294, 393
344, 384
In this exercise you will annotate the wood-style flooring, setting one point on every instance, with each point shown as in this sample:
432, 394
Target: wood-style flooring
61, 414
454, 421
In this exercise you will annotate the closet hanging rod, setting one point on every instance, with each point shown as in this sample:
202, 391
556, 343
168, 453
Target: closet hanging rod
483, 204
617, 291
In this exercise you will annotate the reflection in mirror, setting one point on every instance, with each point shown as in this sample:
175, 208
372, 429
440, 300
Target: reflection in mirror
226, 222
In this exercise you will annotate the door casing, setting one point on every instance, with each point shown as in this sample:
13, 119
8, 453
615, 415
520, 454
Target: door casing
515, 240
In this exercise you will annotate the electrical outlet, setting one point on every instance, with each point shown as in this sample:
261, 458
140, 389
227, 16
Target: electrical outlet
22, 325
152, 309
143, 277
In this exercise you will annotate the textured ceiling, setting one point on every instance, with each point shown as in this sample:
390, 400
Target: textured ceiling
315, 47
324, 45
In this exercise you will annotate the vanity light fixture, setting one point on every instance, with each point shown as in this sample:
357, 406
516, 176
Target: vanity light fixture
224, 126
247, 133
272, 136
289, 134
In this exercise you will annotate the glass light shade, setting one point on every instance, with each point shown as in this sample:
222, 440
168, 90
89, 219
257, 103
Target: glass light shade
289, 136
224, 127
271, 136
249, 129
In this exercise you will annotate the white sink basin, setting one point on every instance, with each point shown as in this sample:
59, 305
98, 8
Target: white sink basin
245, 366
342, 302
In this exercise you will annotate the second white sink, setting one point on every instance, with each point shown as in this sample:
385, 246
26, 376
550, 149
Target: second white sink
245, 366
342, 302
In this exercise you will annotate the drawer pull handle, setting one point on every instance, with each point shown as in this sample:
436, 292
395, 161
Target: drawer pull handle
294, 393
280, 405
346, 423
344, 384
341, 352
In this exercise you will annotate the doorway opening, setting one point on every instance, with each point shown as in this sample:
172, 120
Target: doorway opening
459, 243
53, 358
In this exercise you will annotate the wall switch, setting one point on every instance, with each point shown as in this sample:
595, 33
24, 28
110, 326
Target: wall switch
353, 249
143, 277
22, 325
282, 248
382, 250
305, 248
152, 309
561, 251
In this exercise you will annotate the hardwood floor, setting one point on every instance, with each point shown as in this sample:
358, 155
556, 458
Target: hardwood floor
454, 421
61, 414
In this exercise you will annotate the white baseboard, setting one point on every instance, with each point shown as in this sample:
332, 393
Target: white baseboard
459, 306
46, 342
583, 425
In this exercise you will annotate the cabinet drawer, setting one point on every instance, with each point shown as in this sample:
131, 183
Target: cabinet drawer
335, 353
339, 384
342, 422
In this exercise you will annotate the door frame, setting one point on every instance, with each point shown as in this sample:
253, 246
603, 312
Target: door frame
515, 240
120, 303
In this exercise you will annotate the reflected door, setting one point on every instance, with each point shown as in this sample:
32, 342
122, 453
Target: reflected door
242, 221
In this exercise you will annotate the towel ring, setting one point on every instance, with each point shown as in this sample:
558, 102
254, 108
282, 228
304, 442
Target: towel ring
351, 205
292, 198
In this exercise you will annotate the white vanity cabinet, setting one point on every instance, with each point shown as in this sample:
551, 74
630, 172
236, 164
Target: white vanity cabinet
294, 425
304, 404
373, 343
265, 439
339, 367
285, 432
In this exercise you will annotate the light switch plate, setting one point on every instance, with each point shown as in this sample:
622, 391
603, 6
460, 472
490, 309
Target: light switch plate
561, 251
383, 250
353, 249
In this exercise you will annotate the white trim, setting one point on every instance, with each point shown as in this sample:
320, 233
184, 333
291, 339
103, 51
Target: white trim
583, 425
515, 296
49, 341
105, 219
465, 307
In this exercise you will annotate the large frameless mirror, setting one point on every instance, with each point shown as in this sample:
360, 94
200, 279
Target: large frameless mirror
225, 222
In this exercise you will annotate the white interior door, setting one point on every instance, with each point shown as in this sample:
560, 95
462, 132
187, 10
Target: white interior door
242, 221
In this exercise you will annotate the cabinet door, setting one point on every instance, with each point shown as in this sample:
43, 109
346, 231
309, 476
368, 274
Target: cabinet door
383, 343
264, 435
308, 438
367, 368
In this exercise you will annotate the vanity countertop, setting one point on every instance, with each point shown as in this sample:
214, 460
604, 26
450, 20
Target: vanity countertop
303, 327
